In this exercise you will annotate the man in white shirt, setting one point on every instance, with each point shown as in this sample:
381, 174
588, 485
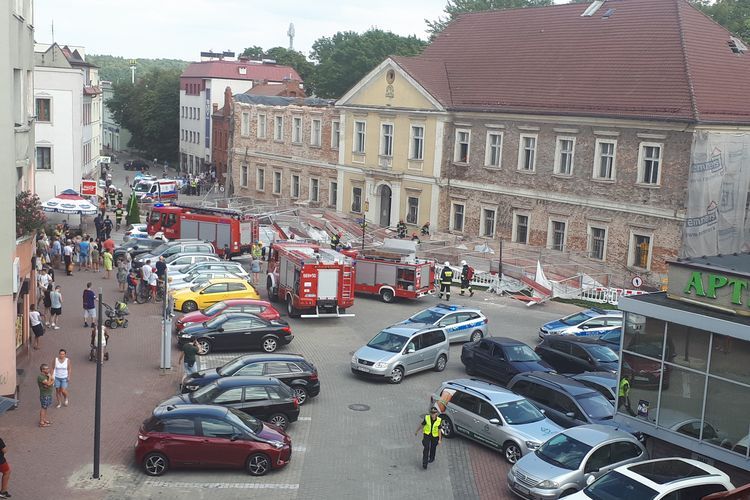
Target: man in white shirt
42, 282
68, 258
146, 272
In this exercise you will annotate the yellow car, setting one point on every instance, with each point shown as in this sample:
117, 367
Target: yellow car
203, 295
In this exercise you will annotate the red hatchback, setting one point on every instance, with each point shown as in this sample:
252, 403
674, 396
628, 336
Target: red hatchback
260, 308
209, 436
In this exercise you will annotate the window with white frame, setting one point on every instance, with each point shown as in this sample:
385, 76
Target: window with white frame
262, 125
335, 134
260, 179
315, 132
639, 254
314, 190
557, 235
488, 222
297, 129
463, 141
412, 210
43, 109
359, 137
564, 151
597, 242
416, 144
278, 131
493, 150
527, 153
605, 159
277, 182
245, 124
521, 228
43, 158
357, 199
386, 139
295, 186
333, 193
649, 163
243, 176
457, 217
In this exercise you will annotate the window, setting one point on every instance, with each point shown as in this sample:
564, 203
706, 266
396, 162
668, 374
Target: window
359, 137
597, 243
527, 153
43, 158
412, 210
521, 228
297, 130
357, 199
245, 125
182, 426
333, 193
243, 176
260, 179
457, 219
556, 237
314, 194
278, 132
416, 151
604, 160
488, 223
640, 251
215, 428
315, 133
564, 155
277, 183
86, 113
43, 113
461, 154
386, 139
295, 186
649, 163
335, 134
261, 126
493, 150
233, 395
251, 369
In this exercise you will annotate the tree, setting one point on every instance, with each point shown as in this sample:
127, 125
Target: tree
346, 57
253, 52
456, 7
734, 15
296, 60
29, 215
117, 69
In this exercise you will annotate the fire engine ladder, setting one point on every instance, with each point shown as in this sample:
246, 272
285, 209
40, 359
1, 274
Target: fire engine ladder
346, 282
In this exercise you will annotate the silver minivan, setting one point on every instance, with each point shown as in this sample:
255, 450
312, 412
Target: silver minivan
401, 350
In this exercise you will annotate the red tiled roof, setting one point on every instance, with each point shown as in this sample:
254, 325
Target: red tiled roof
652, 59
229, 70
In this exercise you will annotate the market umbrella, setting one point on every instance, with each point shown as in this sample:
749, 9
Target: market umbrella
69, 202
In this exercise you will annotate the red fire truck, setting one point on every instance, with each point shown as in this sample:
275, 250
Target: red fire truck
225, 228
314, 282
393, 272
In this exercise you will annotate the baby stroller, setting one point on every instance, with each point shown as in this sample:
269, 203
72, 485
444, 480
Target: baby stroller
116, 316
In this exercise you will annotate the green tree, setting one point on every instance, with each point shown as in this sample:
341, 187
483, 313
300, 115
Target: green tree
455, 7
134, 211
253, 52
117, 69
734, 15
346, 57
150, 110
296, 60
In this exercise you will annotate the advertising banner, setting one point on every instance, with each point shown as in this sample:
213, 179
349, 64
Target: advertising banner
88, 187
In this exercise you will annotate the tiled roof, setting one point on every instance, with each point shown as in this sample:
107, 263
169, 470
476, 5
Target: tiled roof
649, 59
282, 101
230, 70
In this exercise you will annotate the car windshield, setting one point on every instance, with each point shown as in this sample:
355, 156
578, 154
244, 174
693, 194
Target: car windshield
563, 451
602, 353
613, 486
142, 187
160, 249
197, 287
206, 394
217, 321
386, 341
521, 353
244, 420
575, 319
231, 367
210, 311
596, 406
520, 412
611, 336
427, 316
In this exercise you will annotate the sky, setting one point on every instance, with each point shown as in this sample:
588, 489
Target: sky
182, 29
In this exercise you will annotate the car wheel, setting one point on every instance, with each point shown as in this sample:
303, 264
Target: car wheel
155, 464
204, 346
387, 295
512, 452
446, 427
476, 335
270, 344
397, 375
189, 306
300, 393
290, 309
440, 363
279, 420
258, 464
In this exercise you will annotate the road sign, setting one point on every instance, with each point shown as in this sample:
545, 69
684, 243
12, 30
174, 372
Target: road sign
637, 281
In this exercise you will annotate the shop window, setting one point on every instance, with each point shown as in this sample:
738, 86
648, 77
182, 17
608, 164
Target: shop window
644, 336
681, 398
689, 345
727, 410
729, 358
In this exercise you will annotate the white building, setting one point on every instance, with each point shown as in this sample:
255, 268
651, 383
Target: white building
202, 85
68, 118
115, 138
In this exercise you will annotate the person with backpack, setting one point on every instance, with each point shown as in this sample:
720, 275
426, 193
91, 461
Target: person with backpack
467, 273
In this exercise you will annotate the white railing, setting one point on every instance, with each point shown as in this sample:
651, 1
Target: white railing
606, 295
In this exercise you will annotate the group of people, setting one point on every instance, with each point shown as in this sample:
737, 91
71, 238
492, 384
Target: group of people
446, 280
148, 276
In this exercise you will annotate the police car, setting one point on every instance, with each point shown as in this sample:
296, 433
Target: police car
461, 323
589, 323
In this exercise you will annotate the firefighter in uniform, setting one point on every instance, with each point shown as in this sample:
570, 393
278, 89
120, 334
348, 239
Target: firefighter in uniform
431, 436
446, 278
335, 241
467, 273
401, 229
119, 197
118, 216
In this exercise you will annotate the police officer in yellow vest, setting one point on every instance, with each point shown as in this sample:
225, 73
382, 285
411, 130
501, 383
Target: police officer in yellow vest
431, 436
446, 278
623, 393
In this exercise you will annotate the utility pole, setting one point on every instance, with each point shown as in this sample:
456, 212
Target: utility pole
98, 389
166, 344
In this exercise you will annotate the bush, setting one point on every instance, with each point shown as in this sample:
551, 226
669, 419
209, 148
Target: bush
29, 215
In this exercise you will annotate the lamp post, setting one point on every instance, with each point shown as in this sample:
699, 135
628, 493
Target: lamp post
98, 388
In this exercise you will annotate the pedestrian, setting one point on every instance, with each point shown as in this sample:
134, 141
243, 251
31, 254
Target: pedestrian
89, 305
161, 268
95, 257
401, 229
107, 227
108, 244
426, 229
55, 307
226, 253
153, 281
623, 394
118, 216
35, 321
431, 436
467, 274
122, 275
255, 269
47, 303
5, 470
42, 282
84, 249
187, 356
446, 279
68, 258
132, 285
55, 253
45, 381
62, 377
107, 263
127, 180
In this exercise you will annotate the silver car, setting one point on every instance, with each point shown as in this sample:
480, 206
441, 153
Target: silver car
562, 464
401, 350
208, 267
461, 323
198, 278
493, 416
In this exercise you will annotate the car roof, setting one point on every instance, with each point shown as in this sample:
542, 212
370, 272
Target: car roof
662, 471
602, 377
595, 311
595, 434
448, 308
573, 387
503, 341
582, 341
493, 392
250, 358
173, 411
243, 380
409, 329
238, 315
226, 280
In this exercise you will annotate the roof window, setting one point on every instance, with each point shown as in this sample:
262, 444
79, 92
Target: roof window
737, 46
591, 9
242, 70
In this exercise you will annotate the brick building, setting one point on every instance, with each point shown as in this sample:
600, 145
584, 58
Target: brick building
221, 129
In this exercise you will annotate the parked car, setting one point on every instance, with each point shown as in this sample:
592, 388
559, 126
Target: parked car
197, 278
562, 464
565, 401
461, 323
401, 350
135, 247
292, 369
604, 382
662, 478
177, 246
136, 165
611, 339
188, 259
591, 322
492, 416
260, 308
237, 331
209, 436
135, 231
577, 355
265, 398
501, 358
693, 427
210, 292
177, 272
237, 272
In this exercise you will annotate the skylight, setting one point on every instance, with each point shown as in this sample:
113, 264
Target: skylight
737, 46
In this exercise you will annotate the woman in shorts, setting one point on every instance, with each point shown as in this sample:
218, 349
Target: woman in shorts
56, 307
35, 321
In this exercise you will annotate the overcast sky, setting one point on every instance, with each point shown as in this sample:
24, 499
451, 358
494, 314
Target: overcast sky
182, 29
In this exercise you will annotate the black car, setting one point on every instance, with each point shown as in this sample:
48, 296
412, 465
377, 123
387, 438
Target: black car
266, 398
611, 339
565, 401
501, 358
604, 382
136, 165
292, 369
135, 247
237, 331
570, 354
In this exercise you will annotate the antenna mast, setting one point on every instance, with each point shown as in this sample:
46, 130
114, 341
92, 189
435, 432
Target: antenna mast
290, 34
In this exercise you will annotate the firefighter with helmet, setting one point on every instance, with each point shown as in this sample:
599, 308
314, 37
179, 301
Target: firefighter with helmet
401, 229
335, 241
467, 273
446, 278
